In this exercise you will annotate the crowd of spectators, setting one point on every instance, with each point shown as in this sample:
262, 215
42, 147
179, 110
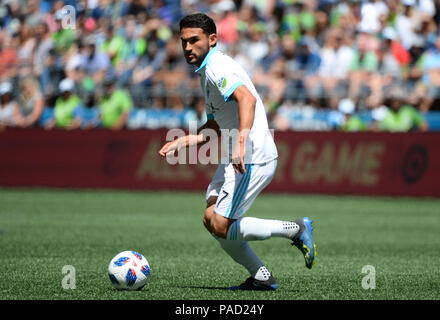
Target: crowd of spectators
115, 64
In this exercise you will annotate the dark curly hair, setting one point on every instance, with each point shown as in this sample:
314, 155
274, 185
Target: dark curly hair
199, 20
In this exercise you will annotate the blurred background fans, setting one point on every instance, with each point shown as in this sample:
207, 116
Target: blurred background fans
318, 65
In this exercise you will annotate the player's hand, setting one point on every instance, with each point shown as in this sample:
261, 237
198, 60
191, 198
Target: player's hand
168, 148
237, 158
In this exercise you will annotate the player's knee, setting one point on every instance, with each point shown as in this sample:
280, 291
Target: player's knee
216, 224
220, 231
206, 223
219, 227
209, 212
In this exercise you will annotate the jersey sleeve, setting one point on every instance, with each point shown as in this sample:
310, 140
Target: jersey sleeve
224, 78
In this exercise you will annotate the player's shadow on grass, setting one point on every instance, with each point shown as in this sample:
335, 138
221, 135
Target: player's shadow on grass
204, 287
228, 289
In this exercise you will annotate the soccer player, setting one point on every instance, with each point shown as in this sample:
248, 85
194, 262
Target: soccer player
233, 104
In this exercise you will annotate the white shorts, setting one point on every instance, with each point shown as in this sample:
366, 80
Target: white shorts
236, 192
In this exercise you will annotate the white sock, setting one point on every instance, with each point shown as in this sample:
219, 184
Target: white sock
243, 254
262, 274
250, 229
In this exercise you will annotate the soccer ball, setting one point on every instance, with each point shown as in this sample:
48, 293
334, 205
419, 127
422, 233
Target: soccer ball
129, 270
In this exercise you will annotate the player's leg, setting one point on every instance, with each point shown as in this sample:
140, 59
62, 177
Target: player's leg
237, 196
248, 228
238, 250
218, 225
214, 223
251, 229
245, 189
299, 231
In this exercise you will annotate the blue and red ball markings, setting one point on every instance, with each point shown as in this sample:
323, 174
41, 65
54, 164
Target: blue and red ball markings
137, 255
121, 261
145, 270
130, 277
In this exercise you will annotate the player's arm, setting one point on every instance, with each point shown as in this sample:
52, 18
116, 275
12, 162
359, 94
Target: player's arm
246, 112
192, 139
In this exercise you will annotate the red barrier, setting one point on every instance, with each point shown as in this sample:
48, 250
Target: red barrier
330, 163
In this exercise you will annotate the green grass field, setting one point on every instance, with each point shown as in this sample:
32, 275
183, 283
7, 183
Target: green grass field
42, 230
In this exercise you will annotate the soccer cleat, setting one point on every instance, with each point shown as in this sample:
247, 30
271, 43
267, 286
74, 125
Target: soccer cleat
254, 284
303, 240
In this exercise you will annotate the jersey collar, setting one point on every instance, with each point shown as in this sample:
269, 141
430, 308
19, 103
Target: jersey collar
205, 61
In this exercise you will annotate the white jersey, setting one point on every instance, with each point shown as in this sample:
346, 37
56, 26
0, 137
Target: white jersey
220, 75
